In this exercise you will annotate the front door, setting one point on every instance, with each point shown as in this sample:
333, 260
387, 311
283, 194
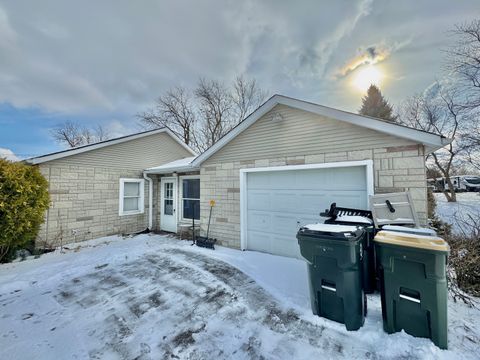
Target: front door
168, 217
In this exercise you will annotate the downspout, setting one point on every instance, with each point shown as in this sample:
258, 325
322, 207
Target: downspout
150, 201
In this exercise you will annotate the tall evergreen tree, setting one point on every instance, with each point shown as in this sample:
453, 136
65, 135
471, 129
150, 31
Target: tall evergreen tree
375, 105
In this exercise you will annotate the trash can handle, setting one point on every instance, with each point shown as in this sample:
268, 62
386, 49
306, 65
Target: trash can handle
390, 206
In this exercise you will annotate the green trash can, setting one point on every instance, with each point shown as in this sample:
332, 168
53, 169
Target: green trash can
334, 257
412, 271
368, 264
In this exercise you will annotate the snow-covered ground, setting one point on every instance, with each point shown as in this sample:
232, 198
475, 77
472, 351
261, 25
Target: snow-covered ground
460, 213
154, 297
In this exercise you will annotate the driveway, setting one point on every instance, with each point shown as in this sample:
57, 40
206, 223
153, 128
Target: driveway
139, 299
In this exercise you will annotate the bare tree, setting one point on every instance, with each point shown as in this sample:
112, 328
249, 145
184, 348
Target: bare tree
215, 105
204, 115
173, 110
444, 117
73, 134
247, 96
463, 60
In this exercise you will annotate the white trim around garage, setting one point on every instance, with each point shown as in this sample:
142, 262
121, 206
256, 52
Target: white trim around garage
243, 185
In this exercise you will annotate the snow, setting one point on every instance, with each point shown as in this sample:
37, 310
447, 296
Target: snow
459, 213
171, 166
331, 228
404, 229
355, 219
397, 221
152, 297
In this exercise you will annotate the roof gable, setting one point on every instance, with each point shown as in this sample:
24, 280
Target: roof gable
431, 141
290, 132
90, 147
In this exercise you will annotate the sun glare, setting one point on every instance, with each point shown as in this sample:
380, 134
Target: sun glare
367, 76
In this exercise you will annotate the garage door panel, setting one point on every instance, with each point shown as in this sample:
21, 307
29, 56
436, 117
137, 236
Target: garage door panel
311, 201
259, 241
305, 220
342, 178
279, 202
284, 200
318, 201
351, 199
259, 221
283, 245
284, 224
282, 181
259, 200
311, 179
260, 181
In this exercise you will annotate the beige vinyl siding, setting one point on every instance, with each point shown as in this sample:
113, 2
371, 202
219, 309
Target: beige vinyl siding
138, 154
300, 133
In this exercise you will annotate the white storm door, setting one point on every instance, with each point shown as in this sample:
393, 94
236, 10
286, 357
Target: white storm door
168, 204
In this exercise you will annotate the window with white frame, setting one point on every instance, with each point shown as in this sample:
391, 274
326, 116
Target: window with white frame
190, 198
131, 197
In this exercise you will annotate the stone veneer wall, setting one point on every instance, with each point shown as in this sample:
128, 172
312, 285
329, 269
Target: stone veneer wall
84, 204
396, 169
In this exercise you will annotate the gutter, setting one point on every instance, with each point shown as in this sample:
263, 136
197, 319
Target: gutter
150, 201
445, 140
177, 169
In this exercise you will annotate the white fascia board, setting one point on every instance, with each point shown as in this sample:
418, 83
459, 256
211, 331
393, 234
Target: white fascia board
431, 141
419, 136
171, 170
80, 150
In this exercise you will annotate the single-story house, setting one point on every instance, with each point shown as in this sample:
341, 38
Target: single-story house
274, 172
99, 189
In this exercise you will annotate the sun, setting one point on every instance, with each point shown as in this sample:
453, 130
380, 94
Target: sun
366, 76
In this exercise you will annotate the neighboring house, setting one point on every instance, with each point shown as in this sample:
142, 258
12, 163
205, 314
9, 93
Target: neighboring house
276, 171
98, 189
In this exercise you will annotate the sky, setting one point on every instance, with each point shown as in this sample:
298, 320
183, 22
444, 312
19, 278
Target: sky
103, 62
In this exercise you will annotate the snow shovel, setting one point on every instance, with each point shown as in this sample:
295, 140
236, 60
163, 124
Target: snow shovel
205, 241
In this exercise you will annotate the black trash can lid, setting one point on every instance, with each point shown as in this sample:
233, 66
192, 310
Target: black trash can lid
332, 230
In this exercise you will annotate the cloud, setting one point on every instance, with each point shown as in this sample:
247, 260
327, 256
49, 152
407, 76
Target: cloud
372, 54
8, 154
314, 60
64, 59
116, 128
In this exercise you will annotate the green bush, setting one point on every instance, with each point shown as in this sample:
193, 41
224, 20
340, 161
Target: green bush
23, 201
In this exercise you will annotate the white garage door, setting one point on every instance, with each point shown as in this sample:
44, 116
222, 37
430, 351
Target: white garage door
279, 202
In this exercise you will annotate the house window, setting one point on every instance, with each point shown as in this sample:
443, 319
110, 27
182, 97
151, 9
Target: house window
191, 198
168, 198
131, 197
